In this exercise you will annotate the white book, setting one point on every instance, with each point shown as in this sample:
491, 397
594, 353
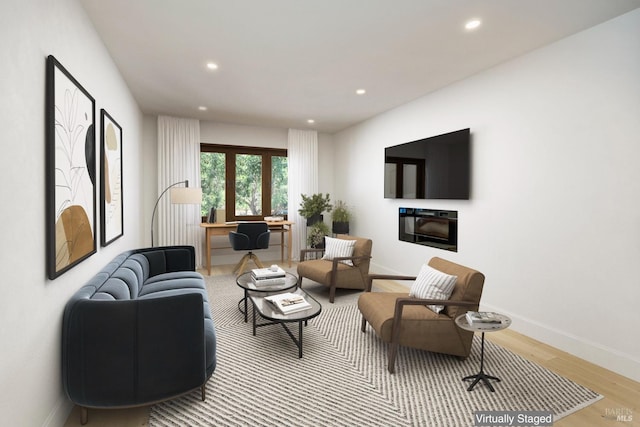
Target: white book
267, 273
288, 302
482, 317
268, 282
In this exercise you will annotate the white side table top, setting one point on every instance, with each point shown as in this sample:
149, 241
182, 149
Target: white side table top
505, 322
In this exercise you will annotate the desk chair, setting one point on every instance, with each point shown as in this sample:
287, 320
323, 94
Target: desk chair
248, 237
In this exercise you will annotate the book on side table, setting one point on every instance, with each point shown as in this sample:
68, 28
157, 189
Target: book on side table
482, 318
288, 302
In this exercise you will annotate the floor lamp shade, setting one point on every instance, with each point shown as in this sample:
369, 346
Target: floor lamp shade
186, 196
179, 196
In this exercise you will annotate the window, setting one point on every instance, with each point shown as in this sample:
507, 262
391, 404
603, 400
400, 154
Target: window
246, 183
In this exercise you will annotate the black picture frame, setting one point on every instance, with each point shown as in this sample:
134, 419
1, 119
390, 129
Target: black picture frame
111, 191
70, 170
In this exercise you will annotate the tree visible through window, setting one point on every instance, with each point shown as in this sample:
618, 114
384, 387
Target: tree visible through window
247, 183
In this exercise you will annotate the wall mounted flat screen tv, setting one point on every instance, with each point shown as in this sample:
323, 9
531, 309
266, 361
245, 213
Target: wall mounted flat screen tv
431, 168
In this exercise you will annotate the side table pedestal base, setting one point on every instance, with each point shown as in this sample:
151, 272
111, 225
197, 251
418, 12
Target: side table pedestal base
480, 376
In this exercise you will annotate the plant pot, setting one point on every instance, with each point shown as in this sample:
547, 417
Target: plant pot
340, 227
319, 245
313, 219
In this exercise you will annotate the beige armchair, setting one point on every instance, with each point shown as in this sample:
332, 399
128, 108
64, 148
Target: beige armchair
334, 273
402, 320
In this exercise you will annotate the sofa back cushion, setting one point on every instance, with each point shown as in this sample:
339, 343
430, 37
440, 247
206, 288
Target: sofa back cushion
168, 260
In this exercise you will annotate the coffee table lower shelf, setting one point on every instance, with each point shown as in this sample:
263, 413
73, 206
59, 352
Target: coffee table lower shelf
265, 310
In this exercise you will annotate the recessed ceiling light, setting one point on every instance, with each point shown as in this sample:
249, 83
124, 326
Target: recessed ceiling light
473, 24
212, 65
311, 121
361, 91
202, 108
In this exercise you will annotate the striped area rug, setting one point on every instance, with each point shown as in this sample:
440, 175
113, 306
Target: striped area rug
342, 378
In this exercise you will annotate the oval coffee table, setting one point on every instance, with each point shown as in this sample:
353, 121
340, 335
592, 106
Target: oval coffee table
269, 312
461, 322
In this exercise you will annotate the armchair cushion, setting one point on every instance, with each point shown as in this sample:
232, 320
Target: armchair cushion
433, 284
337, 248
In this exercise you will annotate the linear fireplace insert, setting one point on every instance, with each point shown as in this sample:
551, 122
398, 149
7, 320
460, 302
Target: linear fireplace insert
429, 227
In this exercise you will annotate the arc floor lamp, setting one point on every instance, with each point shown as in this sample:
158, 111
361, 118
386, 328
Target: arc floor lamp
179, 196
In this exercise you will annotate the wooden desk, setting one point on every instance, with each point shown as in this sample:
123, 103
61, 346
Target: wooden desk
223, 229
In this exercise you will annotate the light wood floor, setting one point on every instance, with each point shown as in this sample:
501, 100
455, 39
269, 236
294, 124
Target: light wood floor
621, 395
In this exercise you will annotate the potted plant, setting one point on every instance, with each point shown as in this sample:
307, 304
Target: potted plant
340, 217
312, 207
316, 233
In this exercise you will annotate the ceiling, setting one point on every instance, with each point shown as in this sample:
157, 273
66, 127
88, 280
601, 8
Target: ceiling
282, 62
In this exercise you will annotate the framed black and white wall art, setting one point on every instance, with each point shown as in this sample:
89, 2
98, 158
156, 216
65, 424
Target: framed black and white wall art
111, 202
71, 166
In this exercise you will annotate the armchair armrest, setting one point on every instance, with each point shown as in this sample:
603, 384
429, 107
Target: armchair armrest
335, 261
351, 258
397, 319
238, 241
402, 302
372, 277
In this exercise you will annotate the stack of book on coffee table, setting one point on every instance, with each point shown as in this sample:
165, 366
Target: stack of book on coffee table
273, 275
288, 302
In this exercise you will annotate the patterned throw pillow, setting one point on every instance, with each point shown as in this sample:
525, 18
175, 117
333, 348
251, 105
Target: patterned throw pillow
336, 248
433, 284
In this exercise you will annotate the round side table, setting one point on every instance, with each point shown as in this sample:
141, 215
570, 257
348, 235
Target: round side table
504, 322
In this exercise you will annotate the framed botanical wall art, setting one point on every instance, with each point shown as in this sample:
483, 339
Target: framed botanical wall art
111, 202
71, 166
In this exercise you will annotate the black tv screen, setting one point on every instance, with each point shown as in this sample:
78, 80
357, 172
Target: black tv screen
431, 168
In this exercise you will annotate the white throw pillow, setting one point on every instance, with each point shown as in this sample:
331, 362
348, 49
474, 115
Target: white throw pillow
433, 284
336, 248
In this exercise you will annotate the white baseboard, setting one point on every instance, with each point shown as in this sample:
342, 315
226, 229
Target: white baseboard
611, 359
59, 413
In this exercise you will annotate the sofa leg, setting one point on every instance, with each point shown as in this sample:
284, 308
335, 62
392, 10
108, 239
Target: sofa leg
363, 327
203, 390
332, 294
84, 415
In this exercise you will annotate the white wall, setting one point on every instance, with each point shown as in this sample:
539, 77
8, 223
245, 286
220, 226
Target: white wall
31, 306
554, 217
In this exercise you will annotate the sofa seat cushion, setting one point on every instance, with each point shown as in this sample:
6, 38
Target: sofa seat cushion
175, 275
184, 283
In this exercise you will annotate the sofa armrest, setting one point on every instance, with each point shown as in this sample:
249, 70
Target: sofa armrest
137, 350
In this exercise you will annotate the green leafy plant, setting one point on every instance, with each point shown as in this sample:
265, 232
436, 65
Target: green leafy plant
314, 205
340, 212
316, 233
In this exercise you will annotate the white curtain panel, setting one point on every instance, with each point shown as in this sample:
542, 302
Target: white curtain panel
178, 160
302, 154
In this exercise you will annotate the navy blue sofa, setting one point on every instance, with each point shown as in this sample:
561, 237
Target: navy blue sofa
140, 331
